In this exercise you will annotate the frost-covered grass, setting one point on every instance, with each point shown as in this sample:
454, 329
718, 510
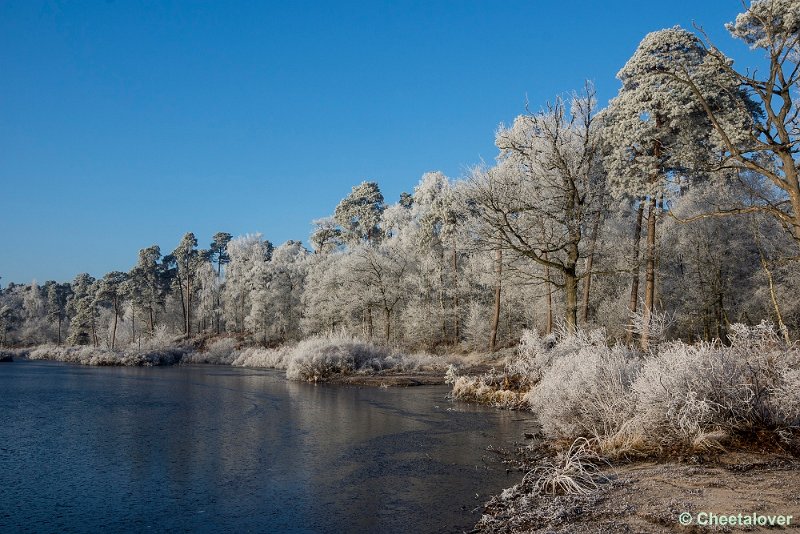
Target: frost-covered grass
571, 472
680, 397
492, 388
319, 358
102, 356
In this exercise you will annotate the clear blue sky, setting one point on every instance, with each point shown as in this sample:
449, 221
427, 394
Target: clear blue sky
125, 124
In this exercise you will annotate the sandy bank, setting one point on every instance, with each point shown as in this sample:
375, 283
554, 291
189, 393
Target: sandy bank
649, 498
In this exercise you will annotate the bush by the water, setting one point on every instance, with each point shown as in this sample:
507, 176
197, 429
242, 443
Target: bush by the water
85, 355
507, 389
682, 396
219, 352
319, 358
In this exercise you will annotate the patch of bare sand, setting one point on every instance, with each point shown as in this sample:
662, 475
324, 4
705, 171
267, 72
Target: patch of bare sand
649, 497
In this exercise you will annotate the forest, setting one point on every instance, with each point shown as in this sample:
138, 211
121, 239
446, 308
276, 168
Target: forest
671, 213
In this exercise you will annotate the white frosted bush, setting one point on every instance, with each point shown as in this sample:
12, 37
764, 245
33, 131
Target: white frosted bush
264, 358
678, 395
532, 357
220, 352
320, 357
684, 390
586, 391
687, 391
786, 395
160, 339
86, 355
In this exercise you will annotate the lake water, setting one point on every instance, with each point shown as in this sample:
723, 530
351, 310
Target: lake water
204, 448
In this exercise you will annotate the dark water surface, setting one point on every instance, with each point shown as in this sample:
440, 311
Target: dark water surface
203, 448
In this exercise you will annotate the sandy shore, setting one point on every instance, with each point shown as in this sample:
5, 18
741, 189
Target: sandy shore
650, 498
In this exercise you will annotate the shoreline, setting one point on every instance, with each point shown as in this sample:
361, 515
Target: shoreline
650, 496
397, 370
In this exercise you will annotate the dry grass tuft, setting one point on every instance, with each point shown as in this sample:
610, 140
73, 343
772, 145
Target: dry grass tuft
572, 472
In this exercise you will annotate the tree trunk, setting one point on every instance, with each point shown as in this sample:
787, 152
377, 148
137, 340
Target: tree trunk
188, 305
94, 331
549, 326
368, 318
183, 304
456, 313
650, 275
498, 270
637, 236
571, 294
387, 316
59, 329
219, 288
773, 295
442, 305
114, 330
588, 275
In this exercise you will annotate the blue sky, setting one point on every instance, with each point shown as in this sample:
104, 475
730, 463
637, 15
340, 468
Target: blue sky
125, 124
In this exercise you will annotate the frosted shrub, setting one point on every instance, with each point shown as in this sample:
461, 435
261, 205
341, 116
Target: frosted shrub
264, 358
532, 360
586, 391
86, 355
161, 338
688, 392
786, 395
451, 375
319, 358
220, 352
752, 337
658, 325
685, 390
677, 396
532, 357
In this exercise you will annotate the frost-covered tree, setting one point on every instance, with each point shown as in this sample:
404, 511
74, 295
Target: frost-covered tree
246, 272
427, 225
57, 295
287, 274
326, 236
763, 135
207, 296
657, 134
186, 257
11, 313
111, 291
546, 187
219, 250
36, 323
83, 311
219, 253
359, 214
148, 284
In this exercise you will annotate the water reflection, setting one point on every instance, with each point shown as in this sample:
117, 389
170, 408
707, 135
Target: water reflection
214, 448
